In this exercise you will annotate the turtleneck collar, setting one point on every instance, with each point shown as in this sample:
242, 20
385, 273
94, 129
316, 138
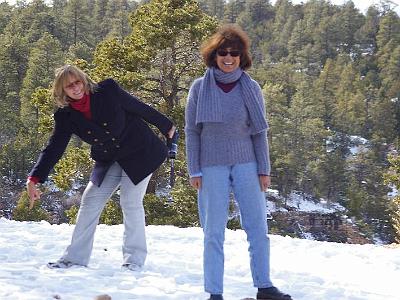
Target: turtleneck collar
82, 105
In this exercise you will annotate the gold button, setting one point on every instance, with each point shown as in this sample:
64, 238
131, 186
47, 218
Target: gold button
89, 132
96, 140
104, 124
107, 132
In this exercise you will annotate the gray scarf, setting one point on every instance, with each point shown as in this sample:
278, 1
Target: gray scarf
209, 107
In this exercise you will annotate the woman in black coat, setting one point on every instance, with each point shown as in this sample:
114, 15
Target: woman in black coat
125, 150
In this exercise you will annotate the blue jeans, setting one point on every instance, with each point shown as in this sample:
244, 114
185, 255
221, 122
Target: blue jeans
213, 202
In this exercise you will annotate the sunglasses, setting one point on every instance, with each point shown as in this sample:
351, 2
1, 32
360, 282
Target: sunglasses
73, 84
233, 53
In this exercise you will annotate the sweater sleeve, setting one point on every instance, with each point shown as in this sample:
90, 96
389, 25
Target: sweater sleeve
261, 150
192, 131
260, 141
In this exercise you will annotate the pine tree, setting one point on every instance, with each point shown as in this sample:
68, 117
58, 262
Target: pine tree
60, 26
100, 22
279, 121
325, 87
332, 177
13, 64
161, 54
5, 15
392, 177
76, 19
45, 56
367, 193
283, 24
326, 38
298, 40
232, 10
389, 29
307, 137
120, 19
350, 20
350, 106
366, 35
14, 51
256, 19
214, 8
31, 21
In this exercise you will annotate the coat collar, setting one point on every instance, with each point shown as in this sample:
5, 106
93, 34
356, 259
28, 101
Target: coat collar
78, 117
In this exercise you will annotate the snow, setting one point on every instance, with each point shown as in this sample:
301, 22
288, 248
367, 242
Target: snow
297, 200
394, 191
359, 144
305, 269
303, 203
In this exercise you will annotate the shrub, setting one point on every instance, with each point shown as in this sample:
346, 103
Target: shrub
23, 213
111, 215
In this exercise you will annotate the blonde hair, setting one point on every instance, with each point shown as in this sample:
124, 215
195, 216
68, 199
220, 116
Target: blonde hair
62, 75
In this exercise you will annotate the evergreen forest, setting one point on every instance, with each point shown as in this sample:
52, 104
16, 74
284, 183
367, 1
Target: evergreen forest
330, 76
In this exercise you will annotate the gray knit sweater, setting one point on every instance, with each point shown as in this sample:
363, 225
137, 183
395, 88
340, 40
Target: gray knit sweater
227, 143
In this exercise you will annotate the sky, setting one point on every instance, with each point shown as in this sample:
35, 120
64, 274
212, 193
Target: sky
306, 269
362, 5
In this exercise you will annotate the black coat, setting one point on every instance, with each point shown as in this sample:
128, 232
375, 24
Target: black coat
117, 132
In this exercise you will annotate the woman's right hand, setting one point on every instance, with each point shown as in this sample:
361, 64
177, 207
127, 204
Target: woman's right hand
33, 192
195, 182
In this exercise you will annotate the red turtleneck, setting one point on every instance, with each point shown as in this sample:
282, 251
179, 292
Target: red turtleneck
83, 105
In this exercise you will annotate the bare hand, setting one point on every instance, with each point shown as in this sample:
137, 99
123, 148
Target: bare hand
195, 182
170, 133
265, 182
33, 193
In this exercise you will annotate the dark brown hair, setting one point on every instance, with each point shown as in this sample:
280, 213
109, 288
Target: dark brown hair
227, 36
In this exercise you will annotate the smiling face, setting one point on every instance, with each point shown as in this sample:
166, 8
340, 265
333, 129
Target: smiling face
228, 59
74, 88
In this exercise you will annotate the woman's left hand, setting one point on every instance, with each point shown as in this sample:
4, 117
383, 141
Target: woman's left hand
265, 182
170, 133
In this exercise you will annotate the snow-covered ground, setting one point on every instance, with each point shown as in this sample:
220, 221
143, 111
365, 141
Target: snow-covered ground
308, 270
305, 204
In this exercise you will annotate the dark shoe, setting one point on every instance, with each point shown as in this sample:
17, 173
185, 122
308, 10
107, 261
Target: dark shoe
272, 293
60, 264
215, 297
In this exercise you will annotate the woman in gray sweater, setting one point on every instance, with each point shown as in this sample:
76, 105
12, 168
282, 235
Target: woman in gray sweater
227, 148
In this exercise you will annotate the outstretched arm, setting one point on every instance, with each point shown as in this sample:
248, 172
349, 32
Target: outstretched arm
132, 104
48, 157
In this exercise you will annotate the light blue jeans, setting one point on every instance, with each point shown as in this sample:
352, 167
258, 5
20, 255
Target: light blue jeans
94, 198
213, 202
